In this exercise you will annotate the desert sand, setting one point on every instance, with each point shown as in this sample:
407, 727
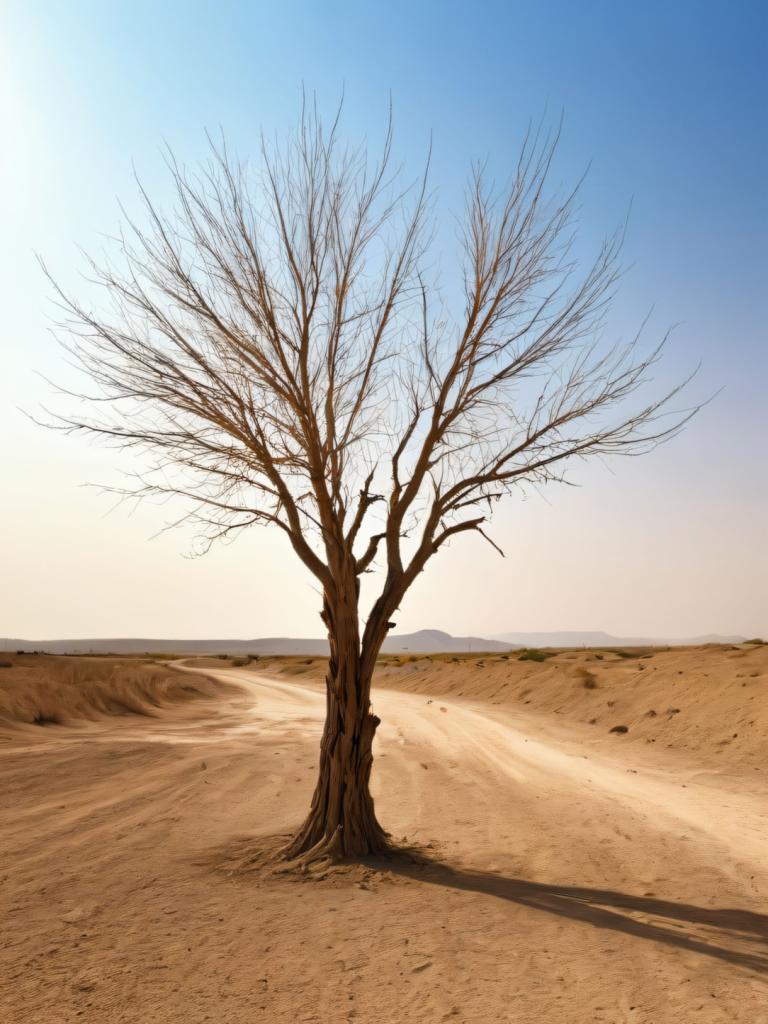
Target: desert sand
562, 872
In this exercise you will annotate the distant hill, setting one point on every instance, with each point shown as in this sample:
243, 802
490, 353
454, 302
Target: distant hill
435, 641
425, 641
597, 638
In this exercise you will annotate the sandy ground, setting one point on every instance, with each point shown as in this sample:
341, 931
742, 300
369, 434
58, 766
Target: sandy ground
575, 880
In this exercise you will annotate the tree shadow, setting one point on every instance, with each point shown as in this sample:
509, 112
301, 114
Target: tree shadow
730, 934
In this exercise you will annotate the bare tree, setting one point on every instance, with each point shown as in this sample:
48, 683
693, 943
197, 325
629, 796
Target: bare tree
276, 345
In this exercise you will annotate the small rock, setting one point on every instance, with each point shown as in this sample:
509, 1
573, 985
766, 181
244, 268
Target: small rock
76, 915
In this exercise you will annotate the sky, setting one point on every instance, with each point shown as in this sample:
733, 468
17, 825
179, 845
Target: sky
665, 103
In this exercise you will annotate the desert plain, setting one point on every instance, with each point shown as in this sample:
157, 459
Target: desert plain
582, 836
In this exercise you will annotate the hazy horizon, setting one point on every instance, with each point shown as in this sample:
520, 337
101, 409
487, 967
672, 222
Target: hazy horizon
318, 635
668, 104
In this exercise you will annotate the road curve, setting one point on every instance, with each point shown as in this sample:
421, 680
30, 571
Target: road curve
502, 762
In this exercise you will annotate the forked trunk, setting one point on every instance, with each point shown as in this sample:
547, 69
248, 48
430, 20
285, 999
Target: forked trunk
342, 821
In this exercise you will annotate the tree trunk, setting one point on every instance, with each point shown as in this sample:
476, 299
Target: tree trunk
342, 821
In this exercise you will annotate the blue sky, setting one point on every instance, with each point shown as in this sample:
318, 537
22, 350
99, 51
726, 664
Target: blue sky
666, 104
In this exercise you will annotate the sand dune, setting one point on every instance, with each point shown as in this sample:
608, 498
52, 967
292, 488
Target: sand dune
577, 875
38, 691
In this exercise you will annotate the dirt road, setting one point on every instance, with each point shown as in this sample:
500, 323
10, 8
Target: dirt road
571, 885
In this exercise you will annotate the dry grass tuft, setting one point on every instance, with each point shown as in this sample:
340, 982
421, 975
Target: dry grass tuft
588, 679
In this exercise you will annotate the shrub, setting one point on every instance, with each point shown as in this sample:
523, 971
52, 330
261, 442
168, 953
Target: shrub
6, 664
531, 654
756, 640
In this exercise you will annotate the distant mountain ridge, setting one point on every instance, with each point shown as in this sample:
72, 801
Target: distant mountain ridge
424, 641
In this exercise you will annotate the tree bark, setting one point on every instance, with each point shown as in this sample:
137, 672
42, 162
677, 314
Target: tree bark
342, 821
